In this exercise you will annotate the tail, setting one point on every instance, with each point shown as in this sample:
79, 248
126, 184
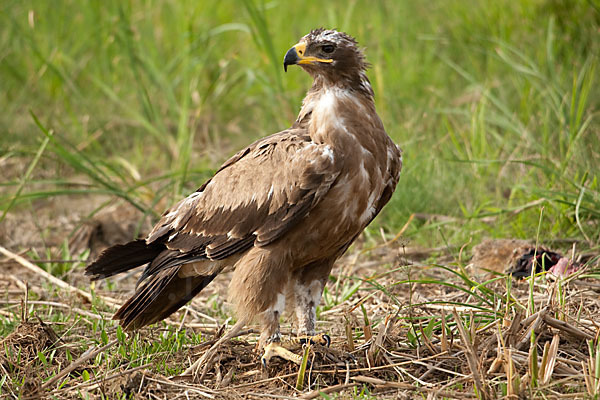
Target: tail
123, 257
160, 295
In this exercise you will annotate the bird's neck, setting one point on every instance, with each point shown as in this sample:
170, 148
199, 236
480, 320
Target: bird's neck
334, 112
355, 82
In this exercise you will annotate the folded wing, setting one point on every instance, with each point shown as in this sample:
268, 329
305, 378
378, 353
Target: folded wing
254, 199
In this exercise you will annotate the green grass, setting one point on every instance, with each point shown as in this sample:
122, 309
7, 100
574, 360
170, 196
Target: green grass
494, 103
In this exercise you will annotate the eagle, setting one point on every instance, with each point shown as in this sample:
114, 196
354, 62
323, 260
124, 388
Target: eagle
278, 213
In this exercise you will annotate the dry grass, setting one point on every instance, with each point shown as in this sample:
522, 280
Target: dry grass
416, 323
492, 102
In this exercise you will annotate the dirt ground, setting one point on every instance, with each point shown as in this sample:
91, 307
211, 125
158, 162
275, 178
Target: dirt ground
417, 323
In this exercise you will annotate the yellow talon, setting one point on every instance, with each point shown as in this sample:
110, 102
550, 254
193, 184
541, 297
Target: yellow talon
321, 338
276, 349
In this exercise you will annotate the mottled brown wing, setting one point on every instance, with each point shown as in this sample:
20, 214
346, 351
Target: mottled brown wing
256, 196
394, 158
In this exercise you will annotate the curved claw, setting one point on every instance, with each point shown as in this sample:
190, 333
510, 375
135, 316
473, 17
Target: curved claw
322, 338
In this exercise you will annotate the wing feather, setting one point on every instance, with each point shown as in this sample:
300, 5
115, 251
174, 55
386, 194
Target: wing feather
254, 198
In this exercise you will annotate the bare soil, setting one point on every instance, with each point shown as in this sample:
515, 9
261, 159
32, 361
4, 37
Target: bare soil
390, 338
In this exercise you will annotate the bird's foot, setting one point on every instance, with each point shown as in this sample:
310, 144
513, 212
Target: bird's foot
322, 339
275, 347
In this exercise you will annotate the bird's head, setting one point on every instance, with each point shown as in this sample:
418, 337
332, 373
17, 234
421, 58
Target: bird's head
328, 54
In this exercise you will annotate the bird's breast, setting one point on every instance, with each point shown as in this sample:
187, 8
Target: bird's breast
349, 126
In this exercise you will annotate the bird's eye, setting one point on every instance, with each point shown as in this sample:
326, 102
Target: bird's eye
328, 48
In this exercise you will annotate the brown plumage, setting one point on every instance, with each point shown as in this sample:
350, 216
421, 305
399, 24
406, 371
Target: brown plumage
279, 212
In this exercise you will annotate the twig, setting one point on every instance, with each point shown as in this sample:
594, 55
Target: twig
270, 396
84, 357
549, 360
196, 349
566, 327
49, 261
368, 379
535, 327
22, 285
382, 384
330, 389
431, 368
60, 305
58, 282
260, 382
194, 389
439, 392
90, 384
471, 357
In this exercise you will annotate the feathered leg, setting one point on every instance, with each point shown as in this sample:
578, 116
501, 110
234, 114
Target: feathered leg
304, 291
307, 297
270, 338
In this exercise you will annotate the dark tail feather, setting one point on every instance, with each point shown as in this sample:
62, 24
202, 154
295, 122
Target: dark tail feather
160, 296
123, 257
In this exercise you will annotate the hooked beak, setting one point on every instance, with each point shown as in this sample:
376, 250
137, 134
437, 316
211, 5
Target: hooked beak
296, 55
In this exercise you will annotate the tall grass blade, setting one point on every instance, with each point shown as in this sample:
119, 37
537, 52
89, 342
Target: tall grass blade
28, 172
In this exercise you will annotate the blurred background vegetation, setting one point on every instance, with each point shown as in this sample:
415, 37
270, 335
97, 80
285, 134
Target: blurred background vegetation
495, 103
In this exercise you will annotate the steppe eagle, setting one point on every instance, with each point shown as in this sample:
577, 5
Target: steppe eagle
279, 212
